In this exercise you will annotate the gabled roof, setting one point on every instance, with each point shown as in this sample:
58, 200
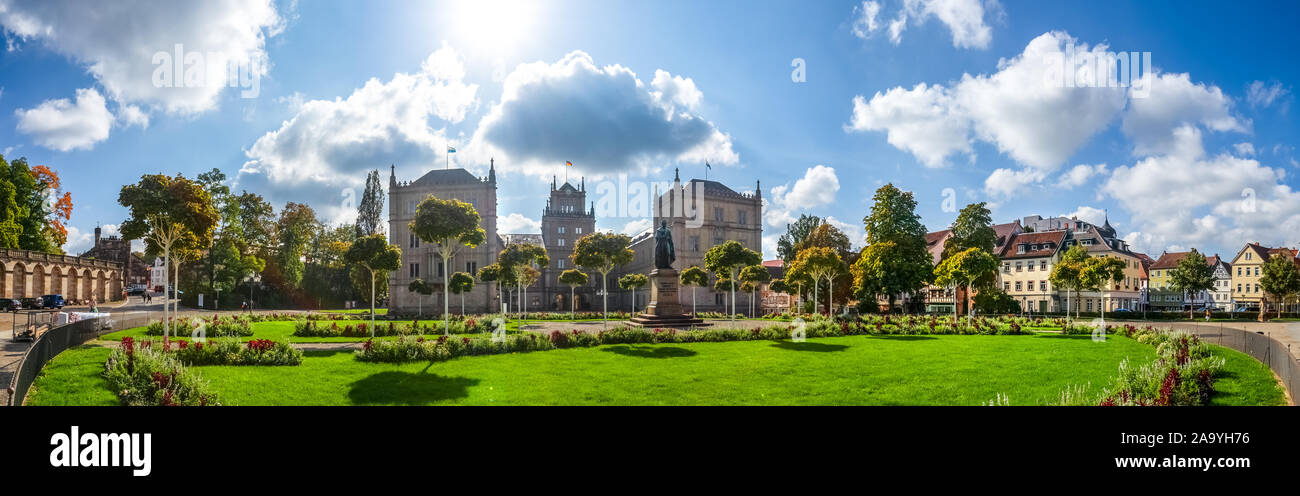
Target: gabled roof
1003, 233
1262, 253
1046, 243
934, 243
1169, 260
567, 188
439, 177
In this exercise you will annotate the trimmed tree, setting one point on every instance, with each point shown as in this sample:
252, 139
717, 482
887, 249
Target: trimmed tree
1101, 272
1192, 275
602, 252
727, 259
633, 282
754, 275
174, 215
695, 277
1066, 273
1280, 277
374, 254
461, 283
452, 224
573, 278
964, 269
515, 261
420, 287
492, 273
820, 263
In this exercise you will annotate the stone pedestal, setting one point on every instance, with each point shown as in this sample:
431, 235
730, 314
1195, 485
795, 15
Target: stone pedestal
665, 309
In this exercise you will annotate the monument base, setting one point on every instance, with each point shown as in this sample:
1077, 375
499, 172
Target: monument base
665, 310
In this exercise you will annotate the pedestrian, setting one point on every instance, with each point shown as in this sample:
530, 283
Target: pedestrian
93, 308
1207, 314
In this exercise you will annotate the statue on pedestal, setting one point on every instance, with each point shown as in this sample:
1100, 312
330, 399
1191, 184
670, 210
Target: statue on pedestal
664, 254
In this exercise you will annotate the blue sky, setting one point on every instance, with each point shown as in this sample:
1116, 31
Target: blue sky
352, 86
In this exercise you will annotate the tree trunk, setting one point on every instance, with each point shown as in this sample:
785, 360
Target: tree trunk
693, 307
573, 306
830, 296
372, 304
446, 295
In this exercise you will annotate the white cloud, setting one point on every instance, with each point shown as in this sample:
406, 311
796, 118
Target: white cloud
1205, 201
1088, 214
923, 121
1019, 109
964, 18
518, 224
131, 115
327, 146
1080, 174
676, 91
896, 28
769, 246
817, 187
63, 125
78, 241
1030, 118
1261, 94
637, 226
1244, 149
1006, 182
864, 19
116, 42
857, 235
603, 119
1174, 101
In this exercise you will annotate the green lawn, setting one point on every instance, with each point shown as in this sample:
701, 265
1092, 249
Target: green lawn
856, 370
378, 311
284, 331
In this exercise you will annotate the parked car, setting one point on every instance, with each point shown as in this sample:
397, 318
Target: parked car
173, 292
52, 301
1121, 310
10, 305
32, 303
136, 290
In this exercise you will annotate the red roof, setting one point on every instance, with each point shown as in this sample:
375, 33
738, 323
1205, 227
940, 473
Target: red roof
1039, 244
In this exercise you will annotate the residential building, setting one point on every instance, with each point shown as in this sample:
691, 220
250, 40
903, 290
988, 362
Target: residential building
1247, 270
1221, 295
1163, 298
420, 259
1027, 263
940, 299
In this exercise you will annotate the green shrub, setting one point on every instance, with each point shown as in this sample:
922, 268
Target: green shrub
145, 375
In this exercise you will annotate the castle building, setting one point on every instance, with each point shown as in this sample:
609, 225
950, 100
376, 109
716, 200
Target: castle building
420, 259
564, 221
116, 249
701, 214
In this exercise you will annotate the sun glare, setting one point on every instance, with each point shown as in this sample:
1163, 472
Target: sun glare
492, 27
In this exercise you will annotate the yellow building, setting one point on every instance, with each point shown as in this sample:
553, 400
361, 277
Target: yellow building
1027, 262
1247, 270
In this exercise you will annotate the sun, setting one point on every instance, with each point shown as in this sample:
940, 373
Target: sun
492, 27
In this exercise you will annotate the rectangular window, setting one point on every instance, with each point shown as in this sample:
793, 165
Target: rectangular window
577, 230
1006, 268
1042, 285
560, 230
471, 268
1018, 267
559, 263
718, 214
742, 217
1017, 285
415, 270
441, 268
695, 243
561, 241
1031, 266
1042, 265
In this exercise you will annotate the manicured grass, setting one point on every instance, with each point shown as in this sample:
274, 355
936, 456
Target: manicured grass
378, 311
1246, 381
74, 378
284, 331
855, 370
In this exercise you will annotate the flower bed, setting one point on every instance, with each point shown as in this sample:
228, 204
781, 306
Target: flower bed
150, 376
1183, 375
312, 328
217, 326
442, 348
